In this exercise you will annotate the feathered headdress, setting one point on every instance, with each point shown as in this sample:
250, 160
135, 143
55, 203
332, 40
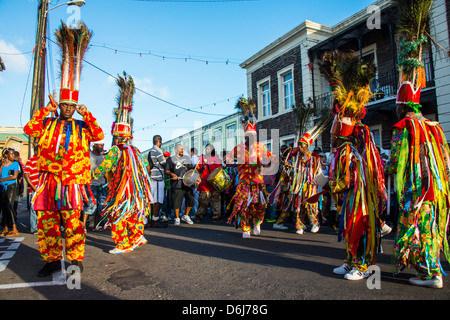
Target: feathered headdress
413, 27
304, 114
247, 108
349, 79
73, 43
122, 126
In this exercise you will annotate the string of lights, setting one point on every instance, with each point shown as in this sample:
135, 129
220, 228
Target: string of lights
194, 110
170, 56
184, 109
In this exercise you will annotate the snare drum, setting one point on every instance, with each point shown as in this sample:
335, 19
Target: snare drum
219, 179
192, 179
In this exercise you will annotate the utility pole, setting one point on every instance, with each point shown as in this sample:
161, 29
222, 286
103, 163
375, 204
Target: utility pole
38, 89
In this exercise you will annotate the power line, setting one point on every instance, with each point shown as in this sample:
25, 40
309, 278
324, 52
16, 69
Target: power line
198, 1
160, 99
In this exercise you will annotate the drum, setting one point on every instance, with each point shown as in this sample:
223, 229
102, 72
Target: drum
219, 179
192, 179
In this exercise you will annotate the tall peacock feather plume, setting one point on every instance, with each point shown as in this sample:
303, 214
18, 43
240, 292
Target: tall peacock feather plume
125, 98
247, 108
307, 131
123, 124
413, 27
349, 79
73, 43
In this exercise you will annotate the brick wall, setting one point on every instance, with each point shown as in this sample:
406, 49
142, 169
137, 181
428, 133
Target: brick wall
285, 122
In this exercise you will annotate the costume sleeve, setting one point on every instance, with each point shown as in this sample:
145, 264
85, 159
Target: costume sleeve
396, 142
343, 173
35, 127
110, 160
229, 158
94, 132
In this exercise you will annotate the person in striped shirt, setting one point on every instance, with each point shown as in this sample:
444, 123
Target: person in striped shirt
31, 175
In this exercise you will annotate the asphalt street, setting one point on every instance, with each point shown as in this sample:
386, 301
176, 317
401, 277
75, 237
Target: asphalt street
207, 261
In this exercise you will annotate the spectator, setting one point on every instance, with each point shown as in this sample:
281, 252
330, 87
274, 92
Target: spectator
234, 175
20, 183
176, 167
157, 162
194, 161
31, 175
330, 158
167, 204
206, 164
98, 188
9, 188
326, 198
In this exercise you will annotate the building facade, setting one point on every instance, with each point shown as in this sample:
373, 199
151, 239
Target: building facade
224, 134
14, 137
286, 72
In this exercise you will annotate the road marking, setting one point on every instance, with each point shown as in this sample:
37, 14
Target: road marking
7, 251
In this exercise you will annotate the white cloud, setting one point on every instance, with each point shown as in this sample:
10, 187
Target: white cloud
13, 60
145, 84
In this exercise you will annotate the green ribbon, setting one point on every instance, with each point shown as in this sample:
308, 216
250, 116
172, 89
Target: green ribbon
414, 106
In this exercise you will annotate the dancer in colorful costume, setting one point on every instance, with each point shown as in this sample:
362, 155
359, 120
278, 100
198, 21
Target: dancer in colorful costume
63, 158
420, 159
249, 202
129, 197
350, 176
307, 166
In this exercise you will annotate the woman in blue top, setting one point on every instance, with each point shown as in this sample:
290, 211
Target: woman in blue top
8, 185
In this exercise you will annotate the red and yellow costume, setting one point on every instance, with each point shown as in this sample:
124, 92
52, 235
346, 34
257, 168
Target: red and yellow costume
250, 199
249, 202
63, 158
64, 167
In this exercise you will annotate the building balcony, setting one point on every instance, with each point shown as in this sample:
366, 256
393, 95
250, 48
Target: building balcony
384, 87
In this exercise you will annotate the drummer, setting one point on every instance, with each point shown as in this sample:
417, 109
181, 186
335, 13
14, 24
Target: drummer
207, 163
177, 165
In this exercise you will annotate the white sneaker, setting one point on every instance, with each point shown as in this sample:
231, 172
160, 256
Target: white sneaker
176, 221
385, 230
300, 231
257, 230
315, 228
344, 269
140, 242
187, 219
355, 274
279, 226
245, 234
117, 251
436, 282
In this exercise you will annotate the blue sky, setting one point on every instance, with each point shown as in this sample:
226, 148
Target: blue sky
206, 31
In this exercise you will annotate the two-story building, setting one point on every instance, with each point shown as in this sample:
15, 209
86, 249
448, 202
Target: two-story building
224, 134
286, 72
